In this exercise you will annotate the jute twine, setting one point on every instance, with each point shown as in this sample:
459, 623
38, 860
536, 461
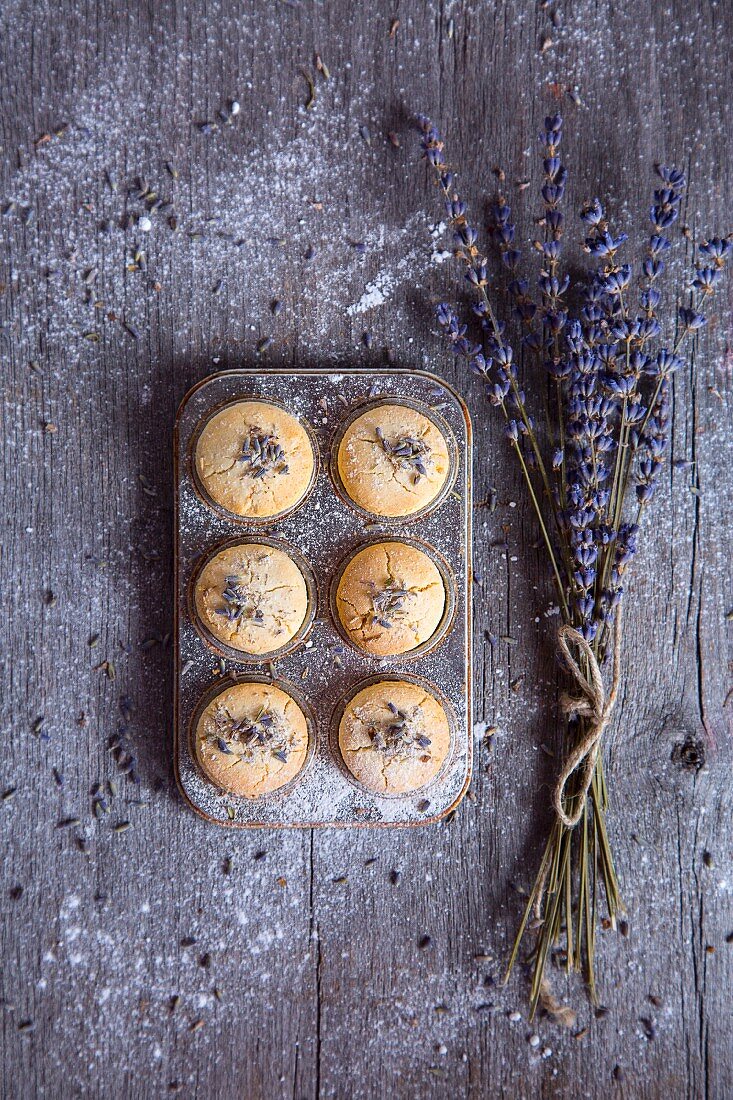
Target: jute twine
590, 702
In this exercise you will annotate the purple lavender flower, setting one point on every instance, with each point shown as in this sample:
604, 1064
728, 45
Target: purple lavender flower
610, 388
691, 319
717, 249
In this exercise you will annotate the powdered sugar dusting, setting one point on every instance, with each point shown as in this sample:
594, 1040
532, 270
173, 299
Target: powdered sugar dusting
242, 226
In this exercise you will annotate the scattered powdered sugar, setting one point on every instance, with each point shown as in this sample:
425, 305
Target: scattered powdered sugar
379, 289
242, 226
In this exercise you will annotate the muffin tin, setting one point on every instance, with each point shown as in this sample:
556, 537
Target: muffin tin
319, 668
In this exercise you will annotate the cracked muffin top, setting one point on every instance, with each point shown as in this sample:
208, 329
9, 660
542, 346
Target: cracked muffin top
252, 597
251, 739
390, 598
254, 459
393, 460
394, 737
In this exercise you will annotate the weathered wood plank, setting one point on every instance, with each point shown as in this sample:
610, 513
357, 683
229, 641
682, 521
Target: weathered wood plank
324, 989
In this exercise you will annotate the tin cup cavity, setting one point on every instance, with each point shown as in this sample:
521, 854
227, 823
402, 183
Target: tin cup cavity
240, 655
429, 688
449, 587
219, 688
437, 421
219, 509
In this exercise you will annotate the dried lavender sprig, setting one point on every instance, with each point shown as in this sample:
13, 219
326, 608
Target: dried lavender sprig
707, 274
607, 315
663, 214
601, 384
465, 249
262, 454
610, 324
580, 412
553, 286
649, 440
498, 391
503, 231
408, 453
465, 236
239, 602
401, 734
388, 603
264, 732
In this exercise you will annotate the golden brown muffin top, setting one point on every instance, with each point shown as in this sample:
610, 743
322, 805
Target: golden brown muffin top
252, 597
390, 598
251, 739
394, 737
254, 459
393, 460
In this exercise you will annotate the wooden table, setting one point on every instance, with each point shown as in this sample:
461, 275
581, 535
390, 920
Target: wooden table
174, 958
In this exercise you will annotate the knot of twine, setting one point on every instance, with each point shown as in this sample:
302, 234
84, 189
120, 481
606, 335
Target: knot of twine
592, 703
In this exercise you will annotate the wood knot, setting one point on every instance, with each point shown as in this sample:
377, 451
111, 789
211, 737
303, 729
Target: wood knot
689, 754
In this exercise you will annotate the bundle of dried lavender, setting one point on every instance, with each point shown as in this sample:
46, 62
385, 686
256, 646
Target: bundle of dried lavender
591, 475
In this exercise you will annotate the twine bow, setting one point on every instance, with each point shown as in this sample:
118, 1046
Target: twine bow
591, 703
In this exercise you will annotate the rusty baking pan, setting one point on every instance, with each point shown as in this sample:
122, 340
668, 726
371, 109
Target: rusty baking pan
315, 665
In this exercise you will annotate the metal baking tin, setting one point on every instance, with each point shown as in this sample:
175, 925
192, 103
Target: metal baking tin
322, 671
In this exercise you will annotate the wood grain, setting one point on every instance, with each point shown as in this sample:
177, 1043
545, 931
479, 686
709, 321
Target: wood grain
323, 990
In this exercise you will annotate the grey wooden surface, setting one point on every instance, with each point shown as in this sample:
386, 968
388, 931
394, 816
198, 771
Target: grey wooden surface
310, 942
